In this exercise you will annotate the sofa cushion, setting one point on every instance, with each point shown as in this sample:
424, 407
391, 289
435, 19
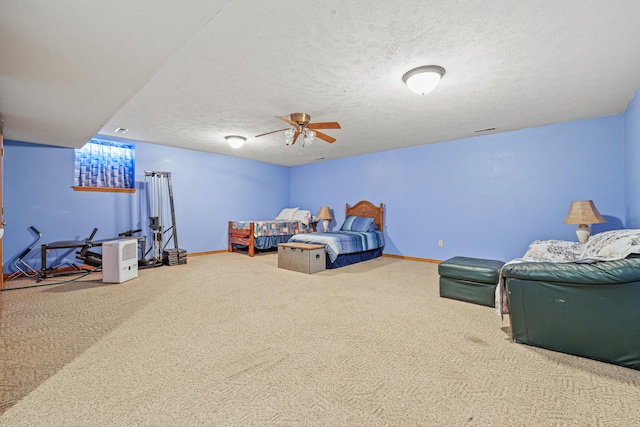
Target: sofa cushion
601, 273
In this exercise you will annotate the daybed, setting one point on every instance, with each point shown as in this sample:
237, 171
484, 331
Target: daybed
360, 237
587, 305
267, 234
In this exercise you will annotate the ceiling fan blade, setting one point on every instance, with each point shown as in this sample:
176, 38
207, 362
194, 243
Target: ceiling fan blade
295, 137
263, 134
326, 137
288, 120
324, 125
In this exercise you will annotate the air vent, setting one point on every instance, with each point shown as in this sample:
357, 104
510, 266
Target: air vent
121, 130
484, 130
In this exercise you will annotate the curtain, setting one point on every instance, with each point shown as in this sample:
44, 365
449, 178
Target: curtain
105, 164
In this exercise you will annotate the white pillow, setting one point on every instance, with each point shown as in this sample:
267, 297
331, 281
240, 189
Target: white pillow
554, 251
302, 216
612, 245
286, 214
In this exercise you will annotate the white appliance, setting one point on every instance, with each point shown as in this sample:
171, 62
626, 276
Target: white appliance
119, 260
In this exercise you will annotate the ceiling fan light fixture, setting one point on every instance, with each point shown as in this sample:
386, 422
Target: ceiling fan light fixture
235, 141
300, 126
423, 80
309, 136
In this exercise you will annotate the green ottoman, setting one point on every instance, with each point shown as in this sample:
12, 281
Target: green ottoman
470, 279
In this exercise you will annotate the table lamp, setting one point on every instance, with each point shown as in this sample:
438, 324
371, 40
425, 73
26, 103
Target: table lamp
583, 212
325, 216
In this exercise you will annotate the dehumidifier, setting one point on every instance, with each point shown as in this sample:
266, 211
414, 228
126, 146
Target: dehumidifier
119, 260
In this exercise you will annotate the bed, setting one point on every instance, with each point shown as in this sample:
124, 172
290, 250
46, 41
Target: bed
267, 234
360, 237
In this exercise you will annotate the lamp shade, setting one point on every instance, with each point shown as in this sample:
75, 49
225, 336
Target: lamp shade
423, 80
583, 212
325, 213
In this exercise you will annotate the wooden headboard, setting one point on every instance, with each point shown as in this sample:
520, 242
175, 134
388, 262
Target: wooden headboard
368, 210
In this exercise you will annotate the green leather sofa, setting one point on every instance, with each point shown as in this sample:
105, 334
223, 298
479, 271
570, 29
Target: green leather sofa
589, 310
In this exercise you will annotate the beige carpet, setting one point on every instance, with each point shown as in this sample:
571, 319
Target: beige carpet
228, 340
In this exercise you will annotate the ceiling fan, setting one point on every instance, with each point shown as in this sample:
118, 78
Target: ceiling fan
301, 126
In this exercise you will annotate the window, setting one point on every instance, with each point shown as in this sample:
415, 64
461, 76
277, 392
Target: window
105, 166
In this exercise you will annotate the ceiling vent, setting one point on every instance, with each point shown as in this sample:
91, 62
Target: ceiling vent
485, 130
121, 130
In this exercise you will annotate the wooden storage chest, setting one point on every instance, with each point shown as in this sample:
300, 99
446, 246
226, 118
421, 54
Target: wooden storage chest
303, 257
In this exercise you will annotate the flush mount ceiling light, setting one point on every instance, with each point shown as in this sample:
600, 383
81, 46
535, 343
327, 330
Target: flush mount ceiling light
235, 141
423, 80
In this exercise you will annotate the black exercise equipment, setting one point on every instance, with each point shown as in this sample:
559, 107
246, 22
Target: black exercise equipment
95, 258
84, 246
22, 267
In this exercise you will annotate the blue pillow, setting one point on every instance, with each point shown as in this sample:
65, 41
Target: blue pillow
356, 223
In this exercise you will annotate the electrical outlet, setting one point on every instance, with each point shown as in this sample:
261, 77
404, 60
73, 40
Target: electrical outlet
439, 242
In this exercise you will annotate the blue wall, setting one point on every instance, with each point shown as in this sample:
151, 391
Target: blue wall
209, 190
488, 196
632, 160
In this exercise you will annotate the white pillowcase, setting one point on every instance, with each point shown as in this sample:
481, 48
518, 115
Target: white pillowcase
286, 214
302, 216
606, 246
554, 251
612, 245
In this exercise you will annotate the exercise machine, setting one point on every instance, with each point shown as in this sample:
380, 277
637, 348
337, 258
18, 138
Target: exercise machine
161, 192
82, 245
95, 259
91, 258
22, 267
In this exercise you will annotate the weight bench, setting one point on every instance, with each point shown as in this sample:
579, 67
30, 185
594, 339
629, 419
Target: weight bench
83, 245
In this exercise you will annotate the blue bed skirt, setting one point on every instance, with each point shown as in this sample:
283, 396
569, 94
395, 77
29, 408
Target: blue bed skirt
267, 242
348, 259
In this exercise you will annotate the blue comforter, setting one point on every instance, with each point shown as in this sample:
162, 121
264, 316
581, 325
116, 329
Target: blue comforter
343, 242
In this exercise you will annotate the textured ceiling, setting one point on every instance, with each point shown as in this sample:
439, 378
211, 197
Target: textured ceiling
186, 74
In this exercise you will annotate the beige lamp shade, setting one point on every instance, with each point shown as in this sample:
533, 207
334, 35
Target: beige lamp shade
583, 212
325, 213
325, 216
